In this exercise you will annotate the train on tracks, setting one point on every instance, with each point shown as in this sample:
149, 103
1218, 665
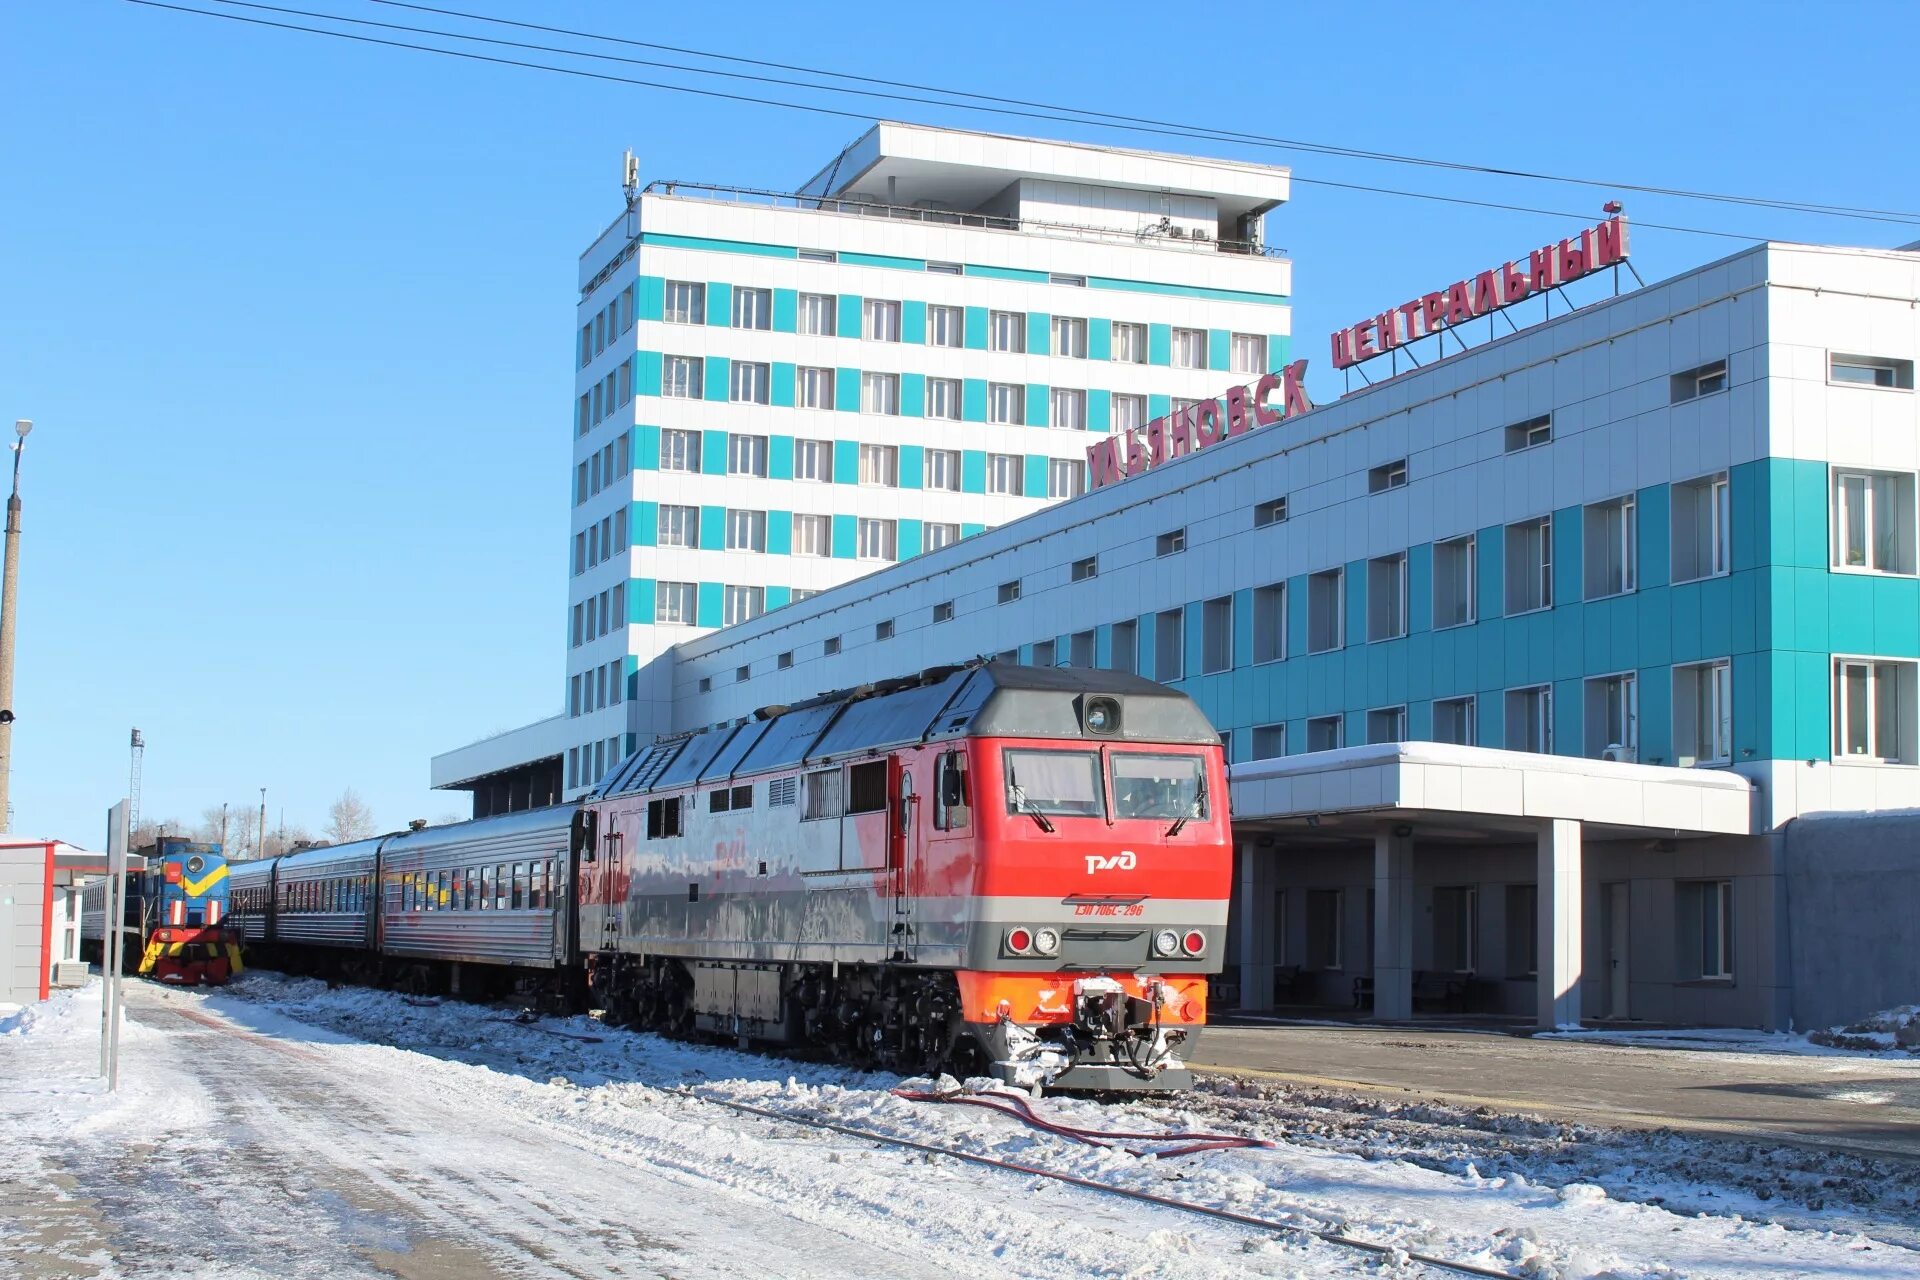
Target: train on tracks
178, 915
986, 869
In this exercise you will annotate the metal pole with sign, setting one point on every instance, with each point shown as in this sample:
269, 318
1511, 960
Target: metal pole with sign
113, 925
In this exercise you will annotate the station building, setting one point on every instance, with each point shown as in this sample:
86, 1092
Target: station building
1571, 675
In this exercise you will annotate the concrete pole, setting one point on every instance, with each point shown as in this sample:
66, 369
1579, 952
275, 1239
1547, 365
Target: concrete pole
1392, 927
9, 601
260, 832
1558, 877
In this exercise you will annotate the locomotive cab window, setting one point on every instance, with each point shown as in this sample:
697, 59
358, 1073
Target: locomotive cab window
950, 792
822, 792
1063, 782
867, 787
1157, 786
663, 818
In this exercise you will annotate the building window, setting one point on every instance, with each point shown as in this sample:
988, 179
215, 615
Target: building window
679, 450
882, 320
816, 387
1249, 353
1387, 597
746, 455
1873, 521
803, 593
883, 630
620, 530
830, 646
1326, 627
1704, 929
812, 535
817, 314
749, 382
1611, 545
1080, 650
943, 612
681, 377
1070, 408
1130, 343
1325, 909
752, 308
1456, 911
1070, 337
935, 535
945, 268
1270, 623
876, 539
946, 326
1066, 477
1388, 475
1086, 568
1702, 518
943, 398
1124, 654
1044, 654
1129, 412
1007, 403
813, 460
1169, 645
1702, 714
1189, 348
1269, 741
1216, 635
1530, 565
673, 603
1613, 717
1454, 576
1004, 473
1272, 511
880, 465
880, 393
743, 604
1007, 331
1170, 543
1009, 592
1523, 930
1387, 724
1453, 721
686, 302
746, 530
1694, 383
1870, 371
679, 526
943, 469
1874, 710
784, 661
1529, 434
1530, 719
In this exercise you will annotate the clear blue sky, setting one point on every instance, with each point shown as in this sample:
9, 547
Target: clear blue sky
293, 315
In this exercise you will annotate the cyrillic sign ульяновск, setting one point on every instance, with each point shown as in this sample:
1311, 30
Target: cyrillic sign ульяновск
1595, 249
1198, 425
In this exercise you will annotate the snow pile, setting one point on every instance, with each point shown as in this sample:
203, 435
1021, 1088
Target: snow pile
1887, 1030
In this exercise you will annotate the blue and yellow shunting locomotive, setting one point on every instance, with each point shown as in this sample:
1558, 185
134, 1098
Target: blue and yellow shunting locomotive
176, 911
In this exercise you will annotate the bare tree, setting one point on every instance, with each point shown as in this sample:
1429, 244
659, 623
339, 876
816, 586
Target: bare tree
151, 829
242, 839
450, 817
212, 826
349, 819
284, 840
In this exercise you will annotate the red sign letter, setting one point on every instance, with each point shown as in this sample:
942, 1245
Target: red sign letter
1297, 401
1514, 285
1263, 414
1237, 421
1342, 348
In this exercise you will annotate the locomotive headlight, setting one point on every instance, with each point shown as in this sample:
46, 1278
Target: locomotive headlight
1103, 716
1166, 943
1046, 942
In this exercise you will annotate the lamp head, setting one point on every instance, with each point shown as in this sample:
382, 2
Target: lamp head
21, 426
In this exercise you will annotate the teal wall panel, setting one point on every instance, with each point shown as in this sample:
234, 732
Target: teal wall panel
640, 602
1037, 405
713, 528
907, 539
646, 448
780, 457
1219, 350
1039, 334
712, 604
713, 453
846, 390
779, 533
1158, 406
786, 306
718, 377
973, 400
1159, 344
973, 473
845, 537
976, 328
719, 304
643, 524
913, 323
1100, 411
779, 597
848, 323
846, 462
651, 302
646, 373
781, 388
1099, 339
1036, 477
913, 467
913, 395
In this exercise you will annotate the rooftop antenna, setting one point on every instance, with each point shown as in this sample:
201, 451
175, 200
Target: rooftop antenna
138, 746
630, 176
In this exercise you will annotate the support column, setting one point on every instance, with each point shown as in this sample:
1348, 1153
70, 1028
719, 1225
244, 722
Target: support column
1558, 877
1257, 926
1392, 927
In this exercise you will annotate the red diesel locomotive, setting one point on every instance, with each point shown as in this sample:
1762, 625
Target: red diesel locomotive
1006, 870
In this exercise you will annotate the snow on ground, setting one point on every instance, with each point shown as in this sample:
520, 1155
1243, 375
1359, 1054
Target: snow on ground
1870, 1038
451, 1112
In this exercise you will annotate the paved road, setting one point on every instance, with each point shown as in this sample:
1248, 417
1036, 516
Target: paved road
1862, 1105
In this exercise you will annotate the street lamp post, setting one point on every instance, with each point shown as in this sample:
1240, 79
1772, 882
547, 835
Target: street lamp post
9, 601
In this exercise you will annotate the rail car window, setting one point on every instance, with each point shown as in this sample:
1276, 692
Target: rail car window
443, 892
725, 799
471, 890
485, 880
1065, 782
519, 886
822, 795
502, 887
950, 792
663, 818
1156, 786
867, 787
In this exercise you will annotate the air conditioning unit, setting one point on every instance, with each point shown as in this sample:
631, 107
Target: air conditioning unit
1617, 753
1200, 233
1177, 233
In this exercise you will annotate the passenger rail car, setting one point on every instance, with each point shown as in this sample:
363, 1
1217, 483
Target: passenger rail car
177, 912
1016, 870
987, 868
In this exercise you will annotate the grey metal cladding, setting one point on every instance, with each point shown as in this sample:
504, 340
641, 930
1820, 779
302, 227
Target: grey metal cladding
787, 738
687, 767
1045, 702
886, 721
526, 829
250, 875
726, 762
330, 860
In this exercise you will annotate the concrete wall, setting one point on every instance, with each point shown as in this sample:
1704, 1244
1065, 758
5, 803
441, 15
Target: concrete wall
23, 897
1852, 895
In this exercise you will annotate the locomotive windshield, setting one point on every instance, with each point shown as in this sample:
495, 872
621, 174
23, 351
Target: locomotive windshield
1065, 782
1156, 786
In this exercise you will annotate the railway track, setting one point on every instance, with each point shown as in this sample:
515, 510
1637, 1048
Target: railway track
1325, 1235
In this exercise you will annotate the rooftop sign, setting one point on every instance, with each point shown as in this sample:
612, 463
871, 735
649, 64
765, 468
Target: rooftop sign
1547, 268
1190, 429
